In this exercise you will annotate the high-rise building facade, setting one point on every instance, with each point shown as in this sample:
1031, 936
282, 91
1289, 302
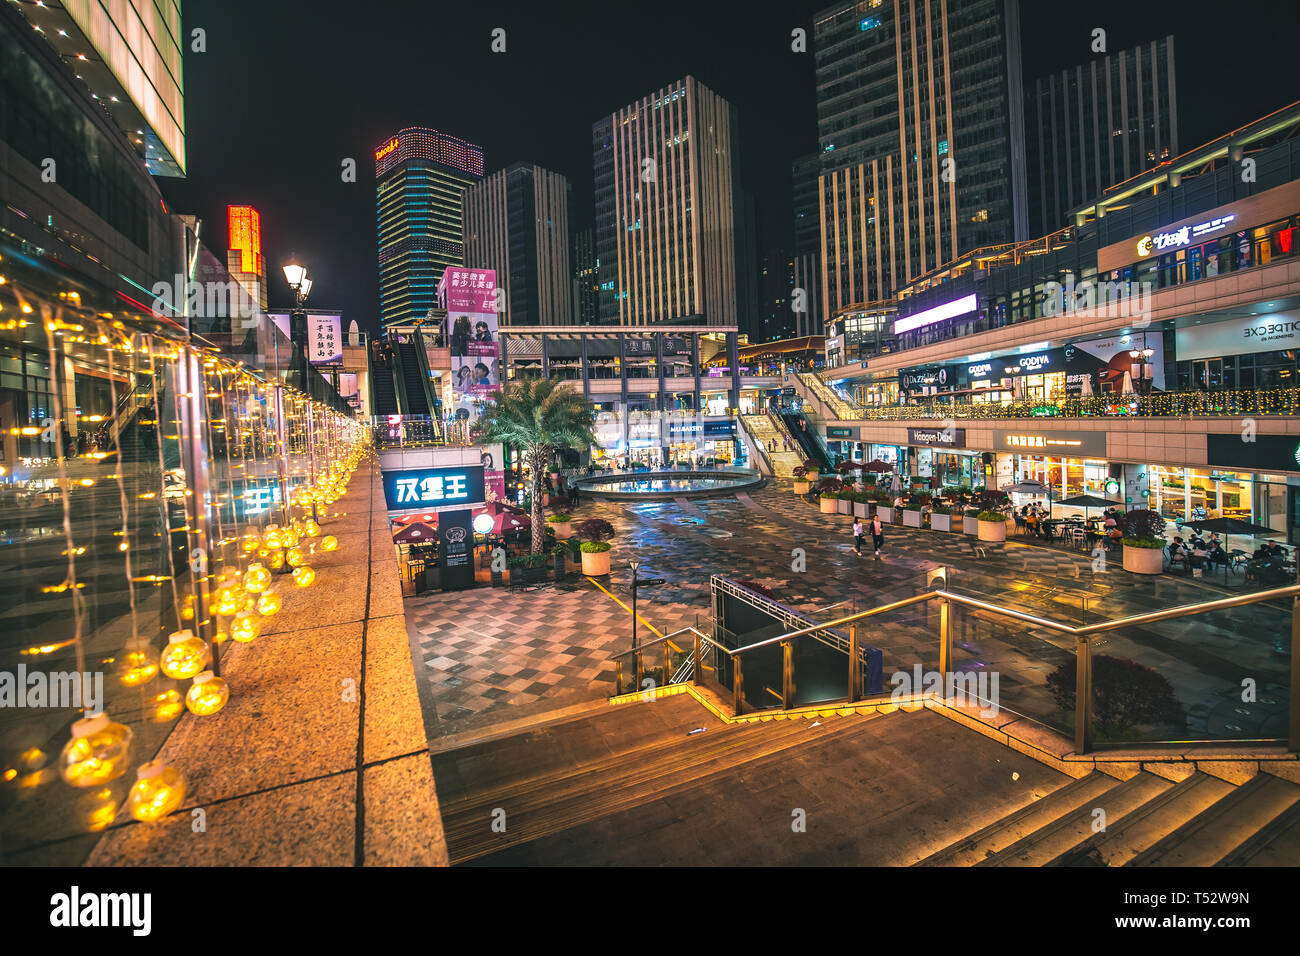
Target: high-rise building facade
244, 258
1098, 124
921, 126
804, 173
668, 205
517, 223
586, 277
420, 178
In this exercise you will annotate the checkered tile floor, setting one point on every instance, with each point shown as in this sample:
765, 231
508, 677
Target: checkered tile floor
490, 653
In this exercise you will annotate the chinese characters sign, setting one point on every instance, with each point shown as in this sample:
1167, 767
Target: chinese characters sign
430, 488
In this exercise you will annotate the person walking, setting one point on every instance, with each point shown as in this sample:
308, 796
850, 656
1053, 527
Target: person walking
857, 536
877, 535
573, 494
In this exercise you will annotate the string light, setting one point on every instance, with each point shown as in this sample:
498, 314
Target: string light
207, 695
184, 656
157, 791
96, 753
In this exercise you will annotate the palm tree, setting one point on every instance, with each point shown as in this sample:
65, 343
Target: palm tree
537, 418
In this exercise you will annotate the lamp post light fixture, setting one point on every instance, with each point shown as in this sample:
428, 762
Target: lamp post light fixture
300, 283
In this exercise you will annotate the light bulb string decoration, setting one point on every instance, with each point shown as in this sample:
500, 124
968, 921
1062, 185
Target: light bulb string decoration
120, 470
51, 324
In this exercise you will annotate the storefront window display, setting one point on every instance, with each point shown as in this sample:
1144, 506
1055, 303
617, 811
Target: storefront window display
1066, 477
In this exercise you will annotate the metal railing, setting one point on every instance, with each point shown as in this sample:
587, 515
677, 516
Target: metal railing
1086, 638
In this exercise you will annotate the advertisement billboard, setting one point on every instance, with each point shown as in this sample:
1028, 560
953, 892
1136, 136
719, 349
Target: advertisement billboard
470, 296
429, 489
324, 336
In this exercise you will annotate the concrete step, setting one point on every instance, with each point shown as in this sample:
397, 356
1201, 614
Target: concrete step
1277, 843
495, 761
626, 768
628, 783
1139, 830
1225, 826
1071, 829
983, 843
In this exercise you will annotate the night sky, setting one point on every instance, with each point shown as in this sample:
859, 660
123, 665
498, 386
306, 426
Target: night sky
287, 90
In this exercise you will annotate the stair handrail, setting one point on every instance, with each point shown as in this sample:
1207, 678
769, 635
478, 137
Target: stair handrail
757, 443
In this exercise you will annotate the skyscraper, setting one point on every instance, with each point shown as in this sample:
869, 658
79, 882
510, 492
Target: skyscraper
586, 281
920, 119
420, 175
244, 259
517, 222
668, 207
804, 172
1098, 124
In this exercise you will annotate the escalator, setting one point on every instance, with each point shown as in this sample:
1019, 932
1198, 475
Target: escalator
808, 443
383, 394
411, 371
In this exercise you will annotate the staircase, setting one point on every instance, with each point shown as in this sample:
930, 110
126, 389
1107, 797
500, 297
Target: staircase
382, 392
550, 784
761, 428
1148, 821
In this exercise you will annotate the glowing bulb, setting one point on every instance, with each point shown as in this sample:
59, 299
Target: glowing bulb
304, 576
250, 542
289, 537
257, 578
229, 599
97, 752
157, 791
271, 537
310, 528
184, 656
246, 626
295, 557
207, 695
167, 705
329, 543
269, 603
139, 665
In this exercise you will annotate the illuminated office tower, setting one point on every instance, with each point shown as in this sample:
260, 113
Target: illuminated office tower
244, 258
517, 223
420, 178
668, 206
920, 120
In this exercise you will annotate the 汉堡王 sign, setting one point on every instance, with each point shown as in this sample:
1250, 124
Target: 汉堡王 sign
433, 488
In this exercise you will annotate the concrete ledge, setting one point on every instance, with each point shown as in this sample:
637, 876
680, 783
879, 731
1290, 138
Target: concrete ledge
320, 757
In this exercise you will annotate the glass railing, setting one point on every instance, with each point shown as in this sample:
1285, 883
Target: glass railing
151, 486
1215, 672
1233, 402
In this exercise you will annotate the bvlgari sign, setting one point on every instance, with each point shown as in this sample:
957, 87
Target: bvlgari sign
937, 437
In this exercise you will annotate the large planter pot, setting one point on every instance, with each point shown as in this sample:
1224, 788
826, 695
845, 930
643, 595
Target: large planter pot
886, 513
940, 522
911, 519
862, 509
1144, 560
595, 564
992, 530
844, 506
563, 529
970, 525
829, 506
802, 487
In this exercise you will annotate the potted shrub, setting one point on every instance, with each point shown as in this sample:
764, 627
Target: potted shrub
829, 494
560, 554
1144, 541
595, 534
941, 518
992, 526
913, 514
970, 521
560, 524
862, 504
845, 503
802, 478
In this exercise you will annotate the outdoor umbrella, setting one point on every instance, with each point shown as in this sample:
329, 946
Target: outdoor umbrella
504, 517
416, 533
1030, 488
1087, 501
1228, 527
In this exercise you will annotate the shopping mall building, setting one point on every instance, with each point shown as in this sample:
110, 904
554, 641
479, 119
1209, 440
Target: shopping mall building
1150, 352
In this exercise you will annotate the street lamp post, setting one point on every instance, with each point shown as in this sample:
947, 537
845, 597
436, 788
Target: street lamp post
300, 283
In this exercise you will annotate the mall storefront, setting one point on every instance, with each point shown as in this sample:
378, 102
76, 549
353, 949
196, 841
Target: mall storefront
940, 457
